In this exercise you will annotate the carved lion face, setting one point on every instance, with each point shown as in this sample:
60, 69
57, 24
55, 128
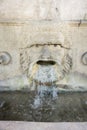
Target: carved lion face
47, 58
46, 63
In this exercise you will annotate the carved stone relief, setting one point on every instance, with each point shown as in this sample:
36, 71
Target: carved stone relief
84, 58
40, 59
5, 58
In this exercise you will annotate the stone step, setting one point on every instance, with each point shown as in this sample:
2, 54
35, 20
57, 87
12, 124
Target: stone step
16, 125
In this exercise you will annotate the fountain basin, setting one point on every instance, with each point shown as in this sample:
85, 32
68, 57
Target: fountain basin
17, 106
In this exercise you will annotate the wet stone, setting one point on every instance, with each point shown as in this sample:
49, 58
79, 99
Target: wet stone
19, 106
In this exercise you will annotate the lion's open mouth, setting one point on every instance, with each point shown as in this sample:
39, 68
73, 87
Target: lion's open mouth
46, 63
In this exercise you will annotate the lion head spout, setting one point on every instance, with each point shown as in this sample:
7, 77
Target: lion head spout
48, 59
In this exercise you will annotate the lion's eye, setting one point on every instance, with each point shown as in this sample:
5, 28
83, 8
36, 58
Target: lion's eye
55, 45
37, 45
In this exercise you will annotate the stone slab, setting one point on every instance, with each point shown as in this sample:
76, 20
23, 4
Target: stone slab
43, 9
9, 125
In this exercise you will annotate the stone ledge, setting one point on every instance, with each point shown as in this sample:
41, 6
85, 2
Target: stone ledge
15, 125
20, 22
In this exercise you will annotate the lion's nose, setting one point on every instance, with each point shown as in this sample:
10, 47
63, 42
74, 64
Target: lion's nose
46, 54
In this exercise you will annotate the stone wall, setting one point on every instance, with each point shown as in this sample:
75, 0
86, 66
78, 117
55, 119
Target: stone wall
22, 21
43, 9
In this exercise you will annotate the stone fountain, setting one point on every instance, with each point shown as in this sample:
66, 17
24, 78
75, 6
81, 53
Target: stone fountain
43, 63
44, 90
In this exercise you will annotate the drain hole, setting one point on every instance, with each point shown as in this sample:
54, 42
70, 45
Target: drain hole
46, 62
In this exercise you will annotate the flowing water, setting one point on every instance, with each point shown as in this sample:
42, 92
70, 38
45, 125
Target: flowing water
45, 76
45, 94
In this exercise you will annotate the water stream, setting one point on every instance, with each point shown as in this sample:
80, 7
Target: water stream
45, 95
46, 89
